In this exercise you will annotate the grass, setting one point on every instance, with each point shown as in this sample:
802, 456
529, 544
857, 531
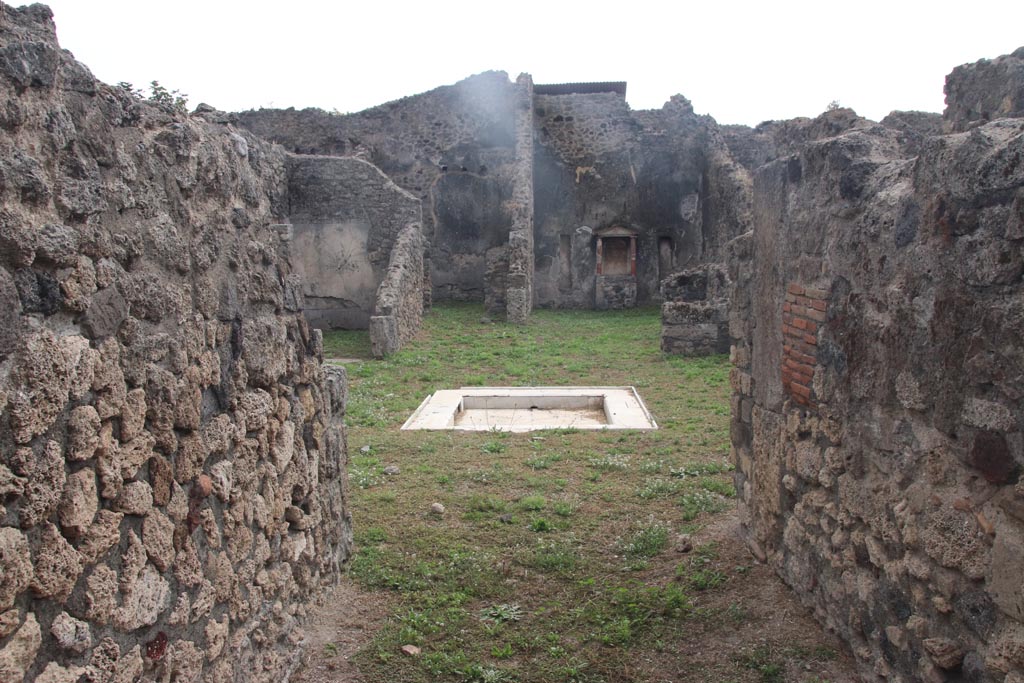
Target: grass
553, 560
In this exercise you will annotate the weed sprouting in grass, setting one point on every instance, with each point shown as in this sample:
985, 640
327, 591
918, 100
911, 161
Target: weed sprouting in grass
363, 478
722, 488
540, 525
533, 503
372, 536
763, 660
698, 502
610, 462
565, 508
504, 651
543, 462
703, 579
493, 447
645, 543
478, 673
552, 557
659, 487
698, 469
653, 466
506, 611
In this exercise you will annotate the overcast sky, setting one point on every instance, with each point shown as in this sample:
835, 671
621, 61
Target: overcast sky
740, 62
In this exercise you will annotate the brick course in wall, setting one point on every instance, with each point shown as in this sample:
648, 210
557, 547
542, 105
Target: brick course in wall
803, 311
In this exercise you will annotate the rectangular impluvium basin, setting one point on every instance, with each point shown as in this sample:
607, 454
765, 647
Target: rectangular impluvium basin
524, 409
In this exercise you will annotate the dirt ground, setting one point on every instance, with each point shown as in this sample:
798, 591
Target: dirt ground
776, 640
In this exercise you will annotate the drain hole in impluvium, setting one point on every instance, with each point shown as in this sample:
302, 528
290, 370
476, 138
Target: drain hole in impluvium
525, 409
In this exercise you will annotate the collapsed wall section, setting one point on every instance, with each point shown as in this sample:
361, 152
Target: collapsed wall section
695, 315
172, 451
346, 216
452, 147
398, 309
878, 422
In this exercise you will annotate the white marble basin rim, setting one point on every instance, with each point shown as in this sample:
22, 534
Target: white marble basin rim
524, 409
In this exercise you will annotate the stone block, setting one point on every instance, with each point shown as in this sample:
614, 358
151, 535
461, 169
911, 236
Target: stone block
71, 634
16, 560
1006, 575
20, 651
57, 566
79, 504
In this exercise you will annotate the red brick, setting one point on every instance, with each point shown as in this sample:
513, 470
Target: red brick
814, 314
799, 310
815, 293
811, 339
787, 318
800, 390
794, 288
810, 326
803, 369
804, 358
803, 301
800, 324
819, 305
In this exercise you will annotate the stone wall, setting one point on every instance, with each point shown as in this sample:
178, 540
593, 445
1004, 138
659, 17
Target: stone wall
453, 147
579, 162
667, 174
985, 90
398, 311
519, 277
171, 450
346, 216
877, 312
695, 315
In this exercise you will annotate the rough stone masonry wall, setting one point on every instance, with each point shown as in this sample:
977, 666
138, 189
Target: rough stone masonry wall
695, 315
878, 418
519, 280
347, 216
398, 311
986, 90
453, 147
171, 449
665, 173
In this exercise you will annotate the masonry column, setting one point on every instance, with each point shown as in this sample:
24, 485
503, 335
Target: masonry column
519, 288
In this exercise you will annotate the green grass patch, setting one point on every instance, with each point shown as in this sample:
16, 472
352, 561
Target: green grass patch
565, 529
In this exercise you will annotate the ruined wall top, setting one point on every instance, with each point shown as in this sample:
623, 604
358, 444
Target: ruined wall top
986, 90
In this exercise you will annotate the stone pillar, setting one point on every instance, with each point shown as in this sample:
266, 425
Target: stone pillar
519, 288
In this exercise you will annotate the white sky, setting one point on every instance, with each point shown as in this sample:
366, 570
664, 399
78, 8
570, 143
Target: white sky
741, 62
